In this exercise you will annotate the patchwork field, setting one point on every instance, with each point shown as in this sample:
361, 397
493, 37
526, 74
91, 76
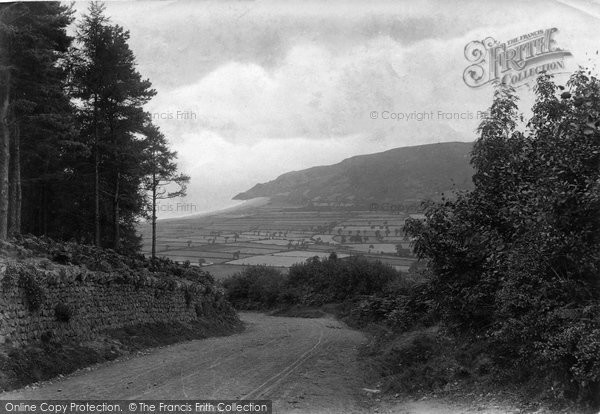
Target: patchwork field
227, 243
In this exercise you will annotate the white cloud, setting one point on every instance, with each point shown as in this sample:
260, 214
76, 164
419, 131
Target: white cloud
281, 86
318, 94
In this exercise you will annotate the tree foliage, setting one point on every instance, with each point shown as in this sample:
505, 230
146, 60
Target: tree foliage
516, 261
36, 113
111, 94
161, 173
76, 145
315, 282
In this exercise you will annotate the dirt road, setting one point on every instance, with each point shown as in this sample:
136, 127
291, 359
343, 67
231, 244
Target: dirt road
303, 365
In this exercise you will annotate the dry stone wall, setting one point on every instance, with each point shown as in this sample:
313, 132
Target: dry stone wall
73, 303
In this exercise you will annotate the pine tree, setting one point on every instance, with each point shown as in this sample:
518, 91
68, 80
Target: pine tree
162, 174
112, 94
34, 42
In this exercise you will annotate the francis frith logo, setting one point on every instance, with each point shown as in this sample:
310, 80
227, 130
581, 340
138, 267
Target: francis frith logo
515, 62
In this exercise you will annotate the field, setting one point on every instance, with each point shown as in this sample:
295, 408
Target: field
226, 243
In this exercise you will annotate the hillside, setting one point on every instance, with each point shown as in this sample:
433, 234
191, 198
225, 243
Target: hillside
400, 175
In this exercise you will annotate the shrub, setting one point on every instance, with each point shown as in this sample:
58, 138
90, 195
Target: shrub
46, 264
198, 308
11, 275
313, 283
256, 287
330, 280
46, 337
108, 260
34, 292
189, 296
515, 261
405, 304
417, 361
63, 312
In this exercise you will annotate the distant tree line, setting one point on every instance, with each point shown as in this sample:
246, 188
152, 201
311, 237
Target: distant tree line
79, 157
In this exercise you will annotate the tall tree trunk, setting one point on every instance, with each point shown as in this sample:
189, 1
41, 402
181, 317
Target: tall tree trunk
96, 178
96, 196
116, 158
14, 207
4, 154
153, 215
45, 212
40, 216
42, 205
117, 232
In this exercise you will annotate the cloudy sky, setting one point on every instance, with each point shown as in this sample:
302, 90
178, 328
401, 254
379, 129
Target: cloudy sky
248, 90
